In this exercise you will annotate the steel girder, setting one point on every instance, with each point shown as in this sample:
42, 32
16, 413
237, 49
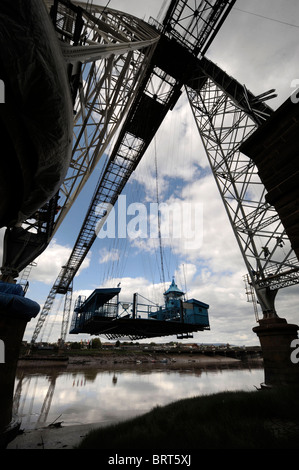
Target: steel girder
106, 54
194, 24
110, 56
226, 114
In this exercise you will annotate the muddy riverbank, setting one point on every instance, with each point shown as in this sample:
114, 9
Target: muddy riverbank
115, 360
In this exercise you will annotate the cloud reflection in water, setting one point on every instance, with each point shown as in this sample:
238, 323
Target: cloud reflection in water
95, 396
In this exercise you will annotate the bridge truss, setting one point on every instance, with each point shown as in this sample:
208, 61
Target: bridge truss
106, 53
226, 114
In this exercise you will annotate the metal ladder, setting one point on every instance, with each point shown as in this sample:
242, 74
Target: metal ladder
251, 297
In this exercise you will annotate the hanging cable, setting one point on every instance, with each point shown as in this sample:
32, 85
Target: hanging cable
106, 7
186, 292
267, 18
159, 216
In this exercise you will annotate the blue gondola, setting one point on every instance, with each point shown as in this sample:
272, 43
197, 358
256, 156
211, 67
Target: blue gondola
102, 313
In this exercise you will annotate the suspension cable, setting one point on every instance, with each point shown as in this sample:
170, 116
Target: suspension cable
159, 217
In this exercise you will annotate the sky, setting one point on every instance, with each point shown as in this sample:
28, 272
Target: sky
260, 49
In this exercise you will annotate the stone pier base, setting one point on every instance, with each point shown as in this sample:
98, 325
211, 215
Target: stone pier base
276, 336
15, 312
11, 333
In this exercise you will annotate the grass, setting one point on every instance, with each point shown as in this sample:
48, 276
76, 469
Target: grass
266, 419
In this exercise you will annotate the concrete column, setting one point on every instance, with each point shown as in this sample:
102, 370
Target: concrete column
276, 336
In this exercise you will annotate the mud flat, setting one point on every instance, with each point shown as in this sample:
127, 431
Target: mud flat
119, 361
51, 437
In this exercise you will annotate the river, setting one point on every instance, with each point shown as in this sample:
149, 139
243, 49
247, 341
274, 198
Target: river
44, 396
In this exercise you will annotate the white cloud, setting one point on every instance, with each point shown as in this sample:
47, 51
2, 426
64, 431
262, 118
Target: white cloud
50, 262
185, 274
208, 241
178, 150
129, 286
111, 255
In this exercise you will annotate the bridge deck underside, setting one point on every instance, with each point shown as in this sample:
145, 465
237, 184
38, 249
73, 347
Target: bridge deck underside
274, 150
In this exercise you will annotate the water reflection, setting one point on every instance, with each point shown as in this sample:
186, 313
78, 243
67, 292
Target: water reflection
88, 396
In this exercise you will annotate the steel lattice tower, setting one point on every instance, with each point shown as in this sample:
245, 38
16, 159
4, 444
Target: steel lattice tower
225, 119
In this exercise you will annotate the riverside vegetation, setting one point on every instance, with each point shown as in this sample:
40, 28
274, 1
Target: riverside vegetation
263, 419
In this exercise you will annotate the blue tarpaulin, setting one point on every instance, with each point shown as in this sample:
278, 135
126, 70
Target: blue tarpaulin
12, 301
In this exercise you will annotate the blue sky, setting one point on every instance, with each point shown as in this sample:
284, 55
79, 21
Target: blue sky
261, 53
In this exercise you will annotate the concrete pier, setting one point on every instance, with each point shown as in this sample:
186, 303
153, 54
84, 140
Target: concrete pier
276, 336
